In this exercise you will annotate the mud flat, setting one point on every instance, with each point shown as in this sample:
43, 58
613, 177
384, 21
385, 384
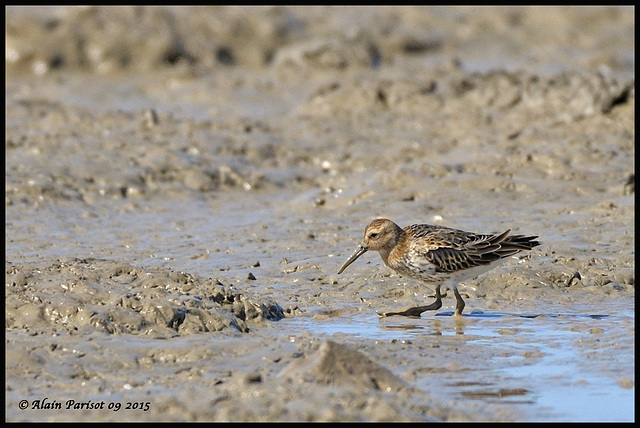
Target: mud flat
180, 193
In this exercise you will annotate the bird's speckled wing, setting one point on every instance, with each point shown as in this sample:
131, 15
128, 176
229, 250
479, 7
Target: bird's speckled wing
451, 250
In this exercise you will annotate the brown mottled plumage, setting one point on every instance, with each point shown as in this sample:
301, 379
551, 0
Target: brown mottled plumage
435, 254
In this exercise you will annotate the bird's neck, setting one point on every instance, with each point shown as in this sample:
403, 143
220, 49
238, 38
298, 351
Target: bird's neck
397, 238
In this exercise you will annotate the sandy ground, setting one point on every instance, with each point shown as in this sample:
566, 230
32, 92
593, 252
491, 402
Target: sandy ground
182, 185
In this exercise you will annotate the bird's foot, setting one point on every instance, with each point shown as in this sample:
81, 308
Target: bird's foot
415, 311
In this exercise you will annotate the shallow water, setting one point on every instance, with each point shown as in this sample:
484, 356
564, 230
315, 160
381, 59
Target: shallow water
562, 383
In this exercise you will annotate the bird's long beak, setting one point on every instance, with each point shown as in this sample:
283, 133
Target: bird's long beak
357, 253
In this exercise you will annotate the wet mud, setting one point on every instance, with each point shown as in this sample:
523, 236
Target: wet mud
180, 194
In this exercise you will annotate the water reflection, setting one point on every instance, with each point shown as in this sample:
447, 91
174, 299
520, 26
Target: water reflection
441, 324
436, 328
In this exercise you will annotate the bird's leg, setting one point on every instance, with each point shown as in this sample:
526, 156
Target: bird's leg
415, 311
459, 301
435, 305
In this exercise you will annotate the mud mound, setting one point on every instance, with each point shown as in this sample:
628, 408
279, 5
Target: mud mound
79, 296
336, 364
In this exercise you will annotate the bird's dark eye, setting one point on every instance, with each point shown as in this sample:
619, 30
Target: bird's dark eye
373, 235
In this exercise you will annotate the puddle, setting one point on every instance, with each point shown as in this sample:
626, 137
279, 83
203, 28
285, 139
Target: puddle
546, 367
